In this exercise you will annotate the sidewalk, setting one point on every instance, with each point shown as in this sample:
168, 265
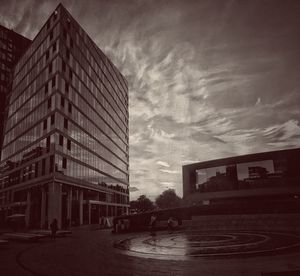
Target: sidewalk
91, 252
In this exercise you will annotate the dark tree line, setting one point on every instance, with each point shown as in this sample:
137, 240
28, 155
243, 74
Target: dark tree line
167, 199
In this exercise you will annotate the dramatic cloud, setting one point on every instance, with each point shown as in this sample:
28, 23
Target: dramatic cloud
207, 79
170, 171
162, 163
133, 189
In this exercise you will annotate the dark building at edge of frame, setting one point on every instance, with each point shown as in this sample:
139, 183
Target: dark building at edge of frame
269, 176
65, 147
12, 46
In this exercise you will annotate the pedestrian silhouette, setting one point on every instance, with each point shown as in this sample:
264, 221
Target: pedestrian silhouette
152, 225
54, 228
170, 224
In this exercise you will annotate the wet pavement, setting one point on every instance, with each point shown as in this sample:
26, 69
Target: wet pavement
89, 252
200, 244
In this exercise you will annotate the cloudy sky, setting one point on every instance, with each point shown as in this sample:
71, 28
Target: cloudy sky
207, 79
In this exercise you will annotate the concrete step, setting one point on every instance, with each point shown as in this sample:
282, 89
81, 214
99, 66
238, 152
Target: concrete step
47, 233
268, 222
22, 236
3, 243
282, 273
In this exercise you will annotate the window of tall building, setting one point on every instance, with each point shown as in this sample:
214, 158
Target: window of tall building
64, 163
61, 140
68, 54
52, 119
51, 169
53, 81
50, 68
70, 74
66, 87
45, 124
70, 107
69, 144
49, 102
46, 88
62, 101
36, 169
63, 66
65, 123
43, 166
51, 35
54, 48
48, 143
48, 24
64, 34
24, 173
47, 54
71, 43
30, 172
54, 15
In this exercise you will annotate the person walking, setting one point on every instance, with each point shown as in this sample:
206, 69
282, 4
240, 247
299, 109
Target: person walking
152, 225
54, 228
170, 224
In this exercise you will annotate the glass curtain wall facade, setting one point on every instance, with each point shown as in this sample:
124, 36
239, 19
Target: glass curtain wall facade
65, 150
258, 174
12, 45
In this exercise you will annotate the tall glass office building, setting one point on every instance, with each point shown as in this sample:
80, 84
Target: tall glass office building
65, 150
12, 46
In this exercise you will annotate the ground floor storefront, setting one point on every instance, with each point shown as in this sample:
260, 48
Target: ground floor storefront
69, 204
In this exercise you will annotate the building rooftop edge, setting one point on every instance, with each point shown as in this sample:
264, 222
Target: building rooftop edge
67, 11
232, 158
18, 34
60, 5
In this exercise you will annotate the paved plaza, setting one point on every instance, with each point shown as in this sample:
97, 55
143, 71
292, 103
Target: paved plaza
90, 251
182, 245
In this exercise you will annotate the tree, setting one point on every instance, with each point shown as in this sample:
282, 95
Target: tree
142, 204
168, 199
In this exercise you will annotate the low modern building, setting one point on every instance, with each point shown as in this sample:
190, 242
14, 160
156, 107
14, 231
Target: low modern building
270, 176
12, 46
65, 149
